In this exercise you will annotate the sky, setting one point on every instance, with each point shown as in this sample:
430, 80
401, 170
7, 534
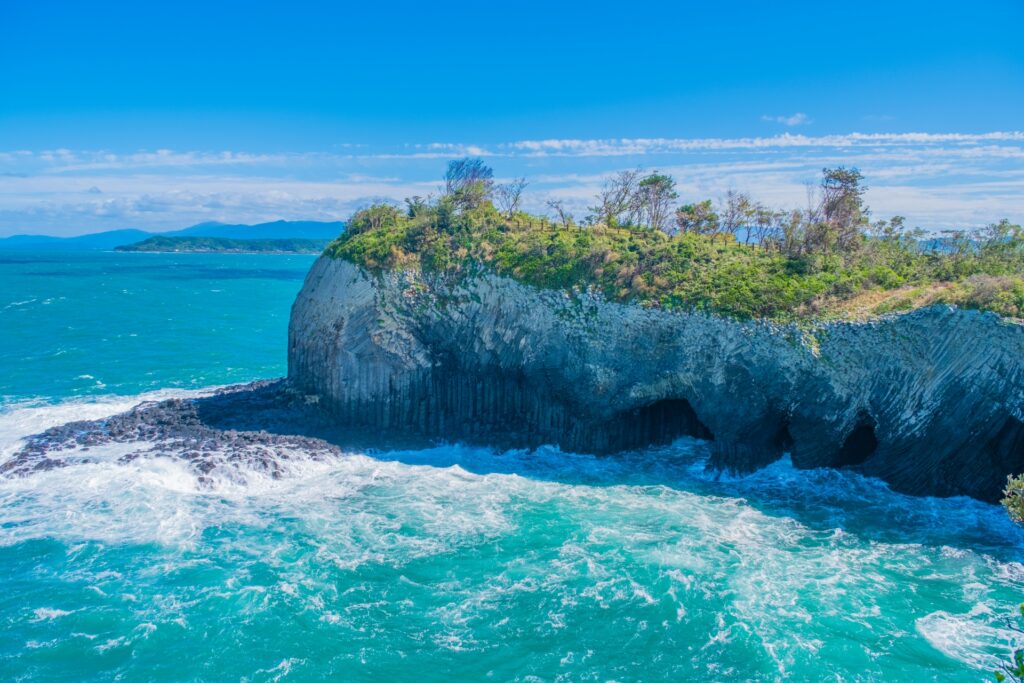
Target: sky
161, 115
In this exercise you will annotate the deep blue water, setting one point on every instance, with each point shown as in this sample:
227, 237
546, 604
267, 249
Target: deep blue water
451, 563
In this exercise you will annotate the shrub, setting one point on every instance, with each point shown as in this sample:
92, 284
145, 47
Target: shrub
815, 263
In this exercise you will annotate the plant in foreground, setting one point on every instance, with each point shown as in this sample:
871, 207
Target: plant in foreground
1013, 501
1013, 671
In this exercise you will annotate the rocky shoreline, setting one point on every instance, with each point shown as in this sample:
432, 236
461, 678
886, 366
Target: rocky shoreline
259, 425
931, 401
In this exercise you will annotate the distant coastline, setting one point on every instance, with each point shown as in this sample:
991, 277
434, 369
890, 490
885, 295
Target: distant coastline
224, 245
319, 231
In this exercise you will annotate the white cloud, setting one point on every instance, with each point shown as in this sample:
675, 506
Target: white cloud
797, 119
639, 146
936, 180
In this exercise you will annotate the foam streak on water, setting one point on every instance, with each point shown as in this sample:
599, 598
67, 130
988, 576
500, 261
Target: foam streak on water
463, 563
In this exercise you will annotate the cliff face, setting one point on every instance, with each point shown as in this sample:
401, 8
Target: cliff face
931, 401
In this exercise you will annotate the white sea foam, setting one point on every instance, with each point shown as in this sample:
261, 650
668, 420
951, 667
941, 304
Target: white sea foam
49, 613
766, 563
24, 418
983, 643
15, 304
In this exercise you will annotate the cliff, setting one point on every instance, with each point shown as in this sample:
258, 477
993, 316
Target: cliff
931, 401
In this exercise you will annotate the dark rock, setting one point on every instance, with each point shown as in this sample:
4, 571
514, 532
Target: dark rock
931, 400
258, 425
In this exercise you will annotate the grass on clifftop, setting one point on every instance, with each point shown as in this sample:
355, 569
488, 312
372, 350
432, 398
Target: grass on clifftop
801, 264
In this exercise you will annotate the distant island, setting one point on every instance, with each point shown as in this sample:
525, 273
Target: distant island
112, 239
225, 245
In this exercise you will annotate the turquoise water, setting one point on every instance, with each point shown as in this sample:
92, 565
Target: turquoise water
452, 563
109, 323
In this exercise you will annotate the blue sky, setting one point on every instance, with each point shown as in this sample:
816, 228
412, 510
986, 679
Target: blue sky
118, 114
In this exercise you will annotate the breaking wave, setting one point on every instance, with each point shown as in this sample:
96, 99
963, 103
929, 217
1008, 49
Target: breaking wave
469, 563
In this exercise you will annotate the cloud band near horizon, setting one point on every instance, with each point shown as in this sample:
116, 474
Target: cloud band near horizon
936, 180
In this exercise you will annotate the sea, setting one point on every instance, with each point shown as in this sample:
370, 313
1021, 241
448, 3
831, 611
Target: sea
451, 563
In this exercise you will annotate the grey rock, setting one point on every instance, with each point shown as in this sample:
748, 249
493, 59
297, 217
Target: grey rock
930, 401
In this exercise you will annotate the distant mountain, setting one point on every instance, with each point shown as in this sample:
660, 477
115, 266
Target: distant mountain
98, 240
308, 230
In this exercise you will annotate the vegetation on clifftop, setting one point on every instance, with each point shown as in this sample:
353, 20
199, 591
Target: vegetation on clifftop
222, 245
737, 258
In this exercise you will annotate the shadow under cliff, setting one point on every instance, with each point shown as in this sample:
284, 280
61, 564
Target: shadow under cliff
261, 424
832, 498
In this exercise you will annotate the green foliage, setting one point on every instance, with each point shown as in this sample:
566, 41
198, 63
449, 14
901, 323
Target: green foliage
373, 218
688, 271
698, 218
1014, 670
1002, 294
1013, 498
798, 266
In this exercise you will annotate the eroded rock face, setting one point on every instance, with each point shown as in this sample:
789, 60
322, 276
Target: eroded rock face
931, 401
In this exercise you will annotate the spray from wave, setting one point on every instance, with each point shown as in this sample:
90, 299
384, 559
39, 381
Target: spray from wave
490, 563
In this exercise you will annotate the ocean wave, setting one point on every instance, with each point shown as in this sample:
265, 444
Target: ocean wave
461, 550
26, 417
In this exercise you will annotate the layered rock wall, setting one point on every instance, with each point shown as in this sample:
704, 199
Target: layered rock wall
931, 400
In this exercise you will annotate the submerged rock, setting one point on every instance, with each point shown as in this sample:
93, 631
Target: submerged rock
930, 401
259, 424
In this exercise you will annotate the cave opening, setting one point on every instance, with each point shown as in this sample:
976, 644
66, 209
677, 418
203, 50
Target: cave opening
1006, 448
859, 444
782, 441
665, 421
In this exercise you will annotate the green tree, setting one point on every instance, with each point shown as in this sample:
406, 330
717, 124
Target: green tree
699, 218
655, 195
417, 206
844, 215
1013, 501
373, 218
469, 182
1013, 498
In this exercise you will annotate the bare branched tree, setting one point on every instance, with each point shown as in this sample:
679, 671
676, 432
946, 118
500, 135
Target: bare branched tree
765, 224
736, 213
557, 206
509, 195
617, 203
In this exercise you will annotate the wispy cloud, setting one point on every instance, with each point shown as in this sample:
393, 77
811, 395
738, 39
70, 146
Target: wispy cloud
634, 146
66, 160
797, 119
935, 179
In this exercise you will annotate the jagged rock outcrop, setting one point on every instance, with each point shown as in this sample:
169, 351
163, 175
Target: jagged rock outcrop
932, 401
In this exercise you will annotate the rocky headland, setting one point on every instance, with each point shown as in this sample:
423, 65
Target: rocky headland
842, 342
931, 401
